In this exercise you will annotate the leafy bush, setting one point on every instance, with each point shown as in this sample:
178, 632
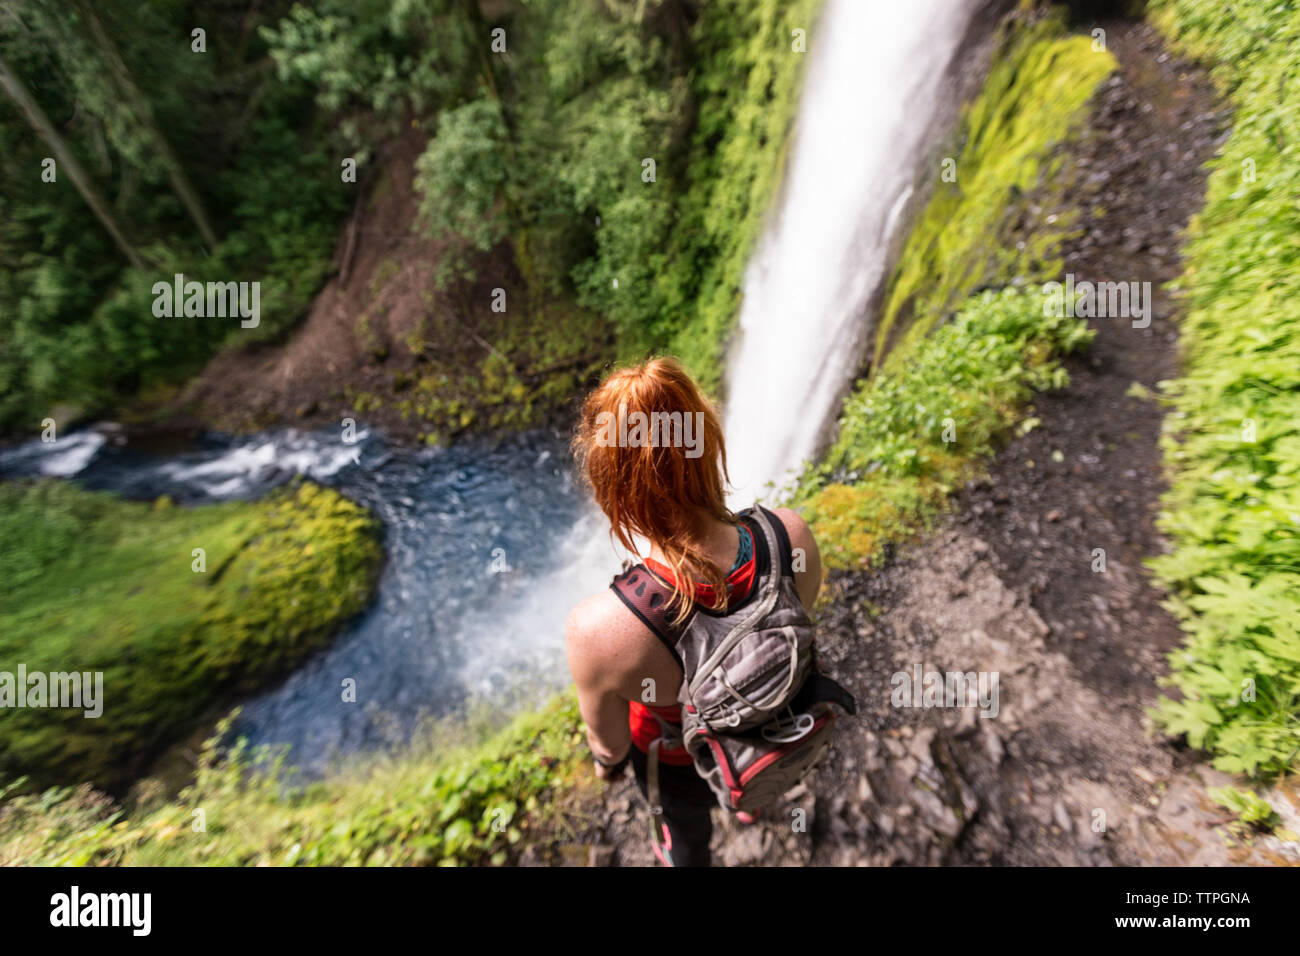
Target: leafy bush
1251, 810
462, 177
444, 805
373, 63
1232, 439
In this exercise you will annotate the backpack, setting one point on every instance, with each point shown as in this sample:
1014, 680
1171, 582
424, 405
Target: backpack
756, 714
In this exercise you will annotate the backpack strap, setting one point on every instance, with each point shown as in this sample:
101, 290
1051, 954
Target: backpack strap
648, 597
778, 547
819, 688
657, 827
784, 552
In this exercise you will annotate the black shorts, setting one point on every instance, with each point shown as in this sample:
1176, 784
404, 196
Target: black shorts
686, 802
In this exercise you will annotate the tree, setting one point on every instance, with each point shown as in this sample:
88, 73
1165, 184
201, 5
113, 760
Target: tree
144, 114
67, 161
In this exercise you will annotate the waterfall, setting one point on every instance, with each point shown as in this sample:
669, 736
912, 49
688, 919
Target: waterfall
872, 91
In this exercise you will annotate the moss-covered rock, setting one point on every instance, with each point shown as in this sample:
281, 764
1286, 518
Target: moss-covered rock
179, 609
943, 392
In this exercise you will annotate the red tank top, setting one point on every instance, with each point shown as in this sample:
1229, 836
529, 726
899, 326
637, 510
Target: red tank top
641, 718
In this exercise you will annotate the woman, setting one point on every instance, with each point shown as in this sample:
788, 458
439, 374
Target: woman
664, 485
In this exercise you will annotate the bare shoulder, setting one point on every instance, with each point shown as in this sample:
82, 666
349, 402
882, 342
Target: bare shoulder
600, 632
591, 613
800, 535
590, 617
808, 563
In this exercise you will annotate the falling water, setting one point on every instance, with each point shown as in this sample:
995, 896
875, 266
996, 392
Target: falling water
874, 82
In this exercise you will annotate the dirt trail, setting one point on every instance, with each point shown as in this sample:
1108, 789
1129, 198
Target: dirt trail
1067, 773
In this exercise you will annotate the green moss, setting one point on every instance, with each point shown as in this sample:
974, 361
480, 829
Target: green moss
89, 582
1035, 95
911, 434
526, 371
1232, 437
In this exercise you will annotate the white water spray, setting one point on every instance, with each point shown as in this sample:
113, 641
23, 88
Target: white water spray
871, 94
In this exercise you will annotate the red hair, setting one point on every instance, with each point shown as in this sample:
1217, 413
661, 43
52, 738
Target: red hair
659, 490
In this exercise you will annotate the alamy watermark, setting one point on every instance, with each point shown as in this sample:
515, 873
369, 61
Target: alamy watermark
132, 911
76, 690
1100, 300
922, 688
220, 300
655, 429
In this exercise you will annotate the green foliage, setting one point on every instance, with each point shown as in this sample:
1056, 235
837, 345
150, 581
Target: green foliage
446, 804
909, 435
1251, 810
77, 328
542, 145
1033, 98
590, 94
461, 177
1232, 438
89, 582
746, 91
374, 62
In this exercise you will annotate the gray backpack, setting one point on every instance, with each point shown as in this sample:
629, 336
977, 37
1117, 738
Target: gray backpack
756, 714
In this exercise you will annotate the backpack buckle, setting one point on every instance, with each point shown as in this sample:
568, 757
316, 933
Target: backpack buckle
786, 731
